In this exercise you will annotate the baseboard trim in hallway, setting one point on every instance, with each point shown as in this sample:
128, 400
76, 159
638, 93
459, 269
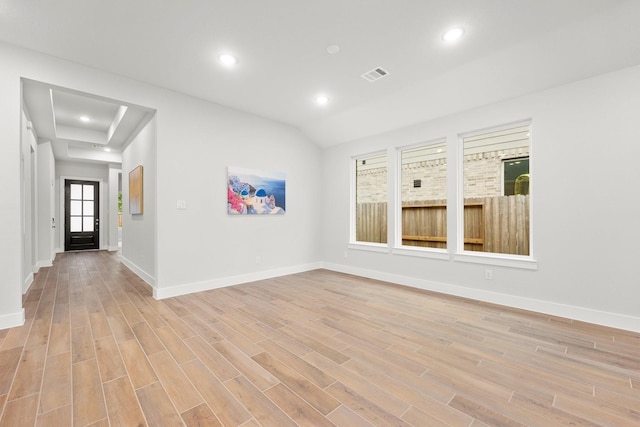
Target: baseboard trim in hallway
148, 278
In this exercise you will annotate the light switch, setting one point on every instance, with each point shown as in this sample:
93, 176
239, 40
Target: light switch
182, 204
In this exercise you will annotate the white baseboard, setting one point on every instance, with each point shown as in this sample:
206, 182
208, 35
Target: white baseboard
27, 283
12, 320
44, 263
140, 272
614, 320
188, 288
113, 248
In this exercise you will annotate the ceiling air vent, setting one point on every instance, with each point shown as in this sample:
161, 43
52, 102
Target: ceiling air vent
375, 74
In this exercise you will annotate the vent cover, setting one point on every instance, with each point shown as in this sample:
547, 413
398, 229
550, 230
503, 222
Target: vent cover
375, 74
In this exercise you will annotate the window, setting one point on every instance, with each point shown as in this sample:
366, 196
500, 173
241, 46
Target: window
496, 191
516, 176
371, 199
424, 195
81, 208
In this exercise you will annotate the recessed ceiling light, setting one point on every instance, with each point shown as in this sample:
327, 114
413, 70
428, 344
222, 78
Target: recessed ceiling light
107, 149
453, 34
85, 119
322, 99
228, 60
334, 48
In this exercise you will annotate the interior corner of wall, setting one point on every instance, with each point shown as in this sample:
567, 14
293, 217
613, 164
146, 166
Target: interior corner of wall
12, 320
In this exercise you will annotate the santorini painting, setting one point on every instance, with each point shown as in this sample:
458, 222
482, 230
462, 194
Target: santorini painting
255, 192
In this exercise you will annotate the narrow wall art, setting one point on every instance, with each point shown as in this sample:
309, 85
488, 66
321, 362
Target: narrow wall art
136, 200
255, 192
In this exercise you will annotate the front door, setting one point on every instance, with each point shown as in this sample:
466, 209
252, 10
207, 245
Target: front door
82, 219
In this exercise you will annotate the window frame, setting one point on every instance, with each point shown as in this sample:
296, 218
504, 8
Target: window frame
353, 170
417, 251
455, 204
492, 258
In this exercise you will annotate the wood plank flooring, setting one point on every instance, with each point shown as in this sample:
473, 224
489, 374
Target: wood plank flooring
312, 349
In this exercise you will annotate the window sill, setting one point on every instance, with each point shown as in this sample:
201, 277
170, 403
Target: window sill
501, 260
371, 247
422, 252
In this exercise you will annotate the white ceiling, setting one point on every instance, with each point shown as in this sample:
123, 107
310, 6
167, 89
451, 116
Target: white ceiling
509, 48
57, 114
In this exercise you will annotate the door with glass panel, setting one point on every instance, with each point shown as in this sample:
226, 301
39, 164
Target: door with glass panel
82, 220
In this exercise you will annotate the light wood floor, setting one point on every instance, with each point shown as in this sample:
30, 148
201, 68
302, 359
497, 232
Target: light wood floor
315, 349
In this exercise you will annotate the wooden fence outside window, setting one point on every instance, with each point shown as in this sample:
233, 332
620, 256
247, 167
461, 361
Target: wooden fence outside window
491, 224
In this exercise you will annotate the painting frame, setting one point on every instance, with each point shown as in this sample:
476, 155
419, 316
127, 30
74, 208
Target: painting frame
136, 196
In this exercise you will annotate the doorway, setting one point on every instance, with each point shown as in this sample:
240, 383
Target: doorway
82, 215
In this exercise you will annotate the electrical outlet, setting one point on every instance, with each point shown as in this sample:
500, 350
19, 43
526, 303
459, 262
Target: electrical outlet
488, 274
346, 254
257, 260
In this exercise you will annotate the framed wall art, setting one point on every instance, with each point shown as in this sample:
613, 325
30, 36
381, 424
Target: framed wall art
255, 192
136, 199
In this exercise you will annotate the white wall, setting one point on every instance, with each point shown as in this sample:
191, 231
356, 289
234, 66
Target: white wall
585, 205
11, 312
203, 246
112, 215
139, 245
199, 247
46, 205
29, 173
83, 171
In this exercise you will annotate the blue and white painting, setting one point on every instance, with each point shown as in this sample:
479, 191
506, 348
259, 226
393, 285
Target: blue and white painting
255, 192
